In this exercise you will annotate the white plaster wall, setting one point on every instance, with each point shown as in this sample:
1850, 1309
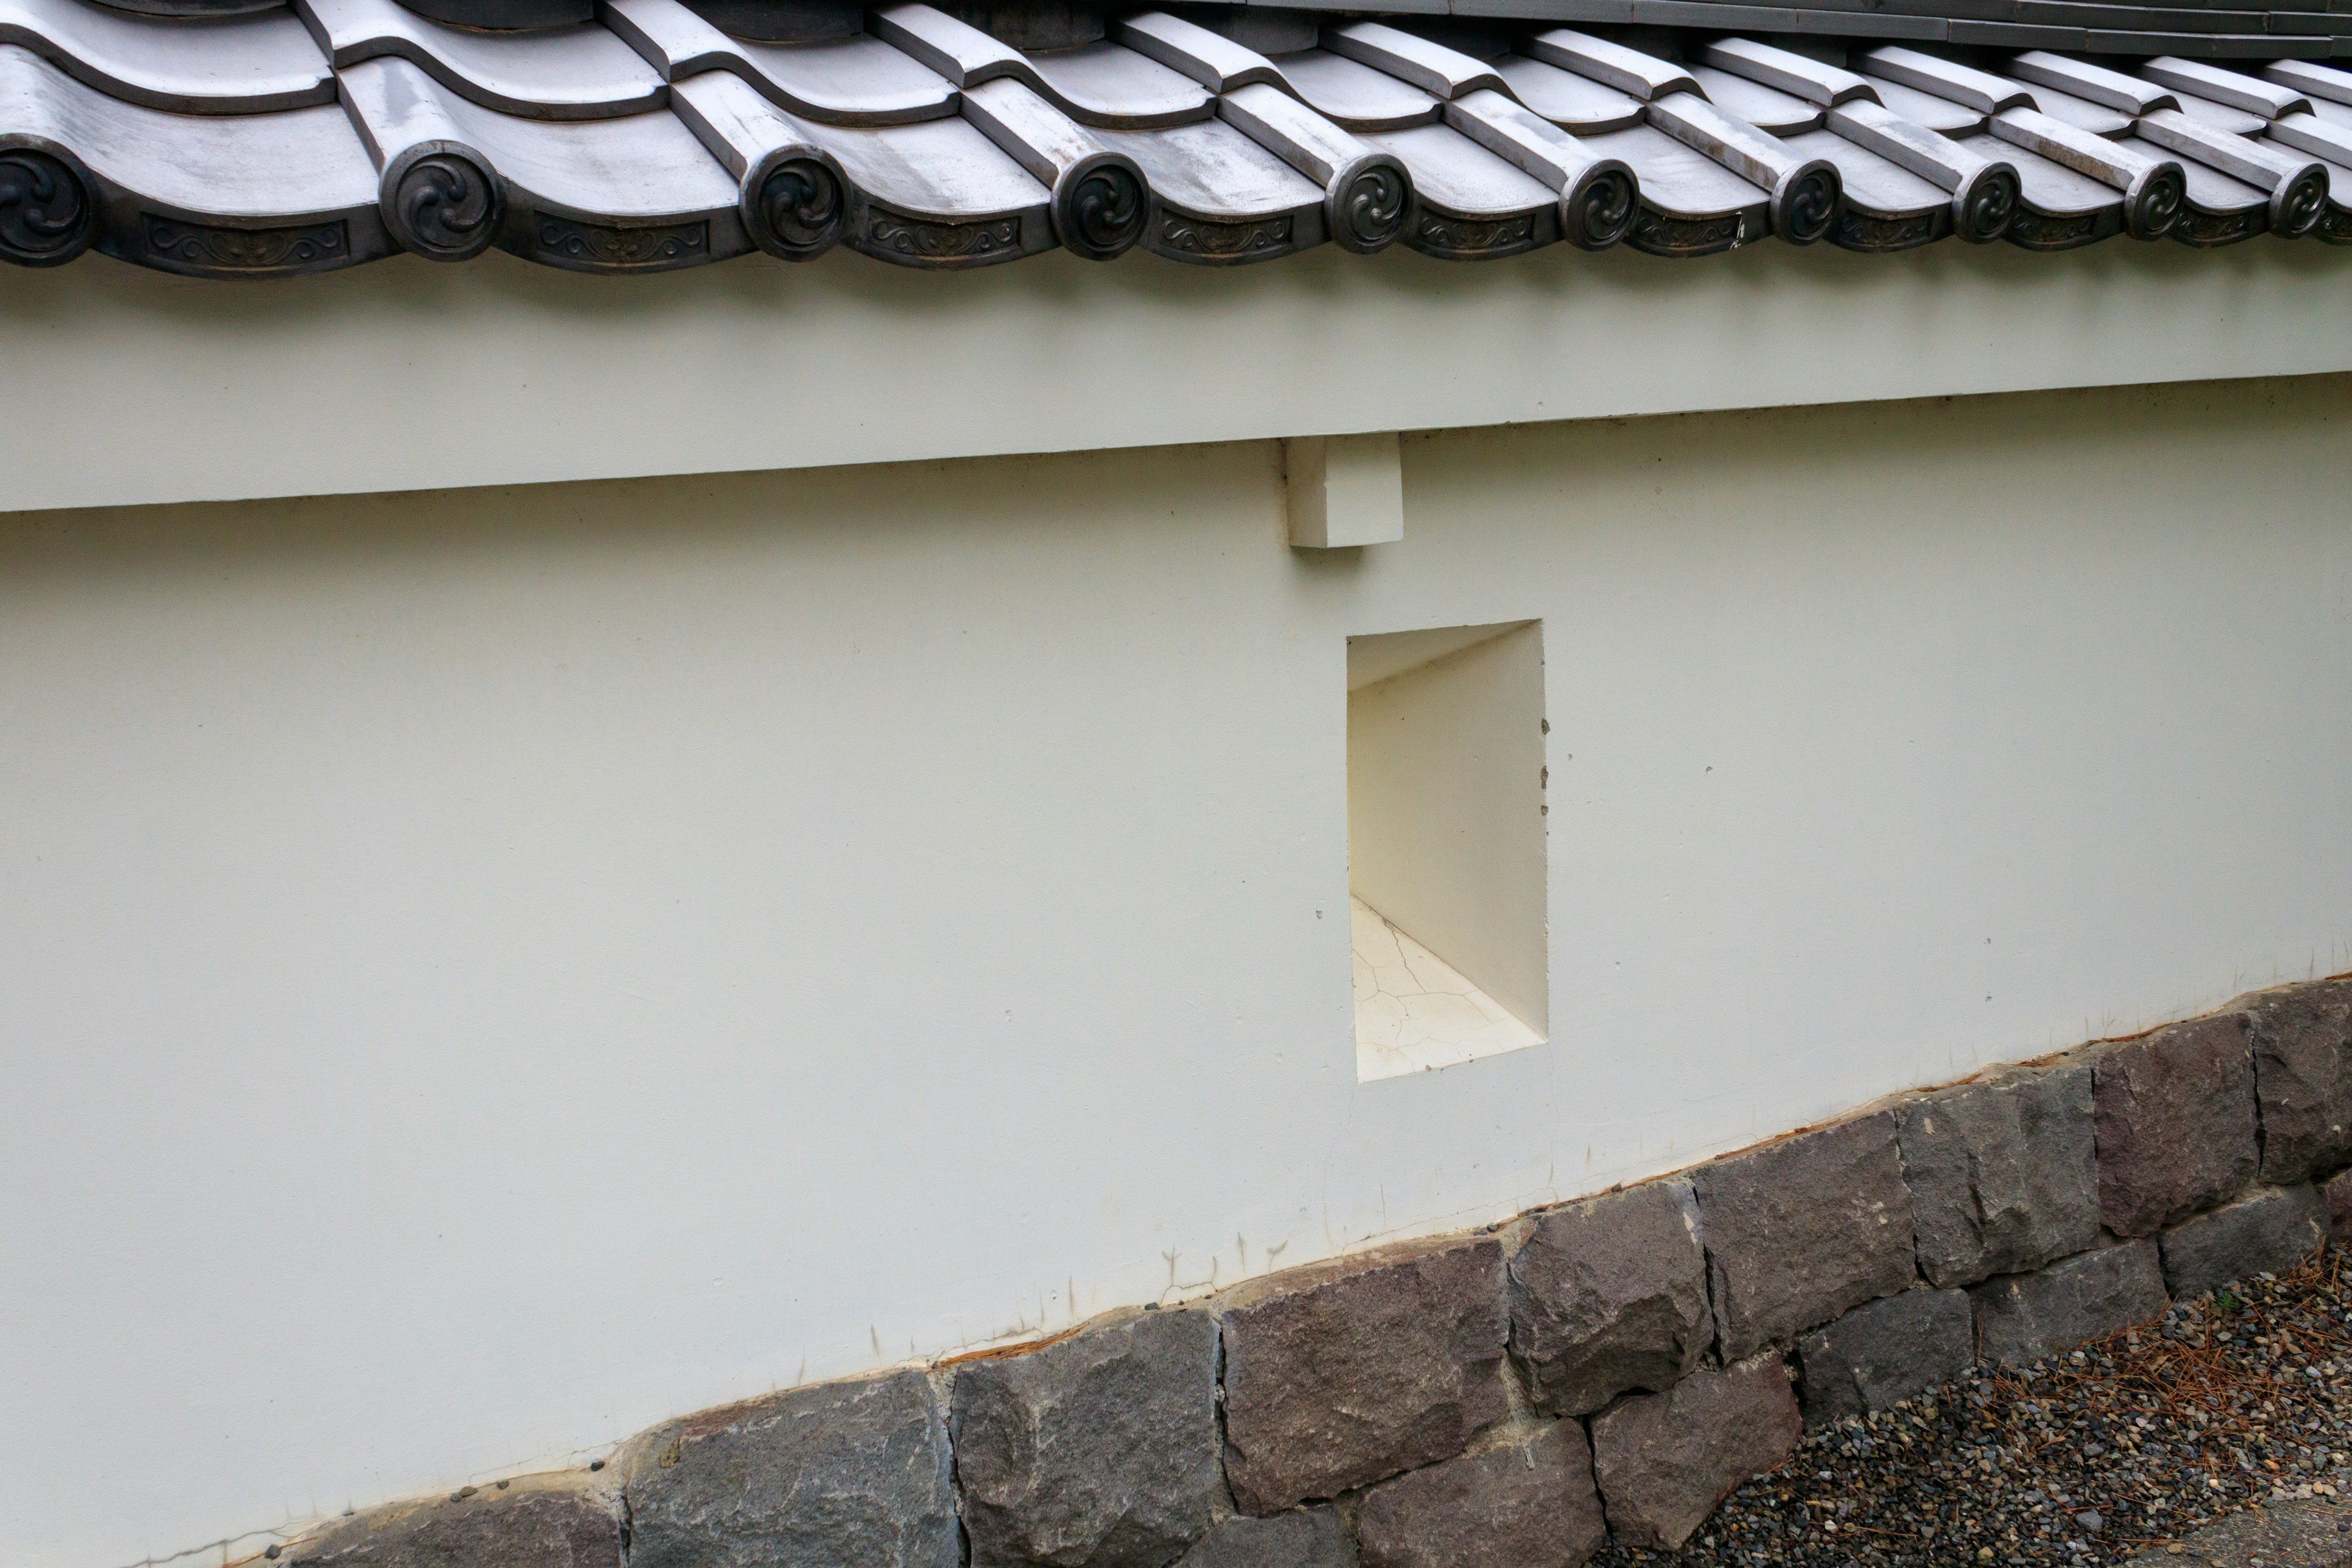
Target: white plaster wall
484, 971
410, 375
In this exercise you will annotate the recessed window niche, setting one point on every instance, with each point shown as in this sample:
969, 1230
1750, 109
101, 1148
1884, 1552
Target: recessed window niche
1446, 844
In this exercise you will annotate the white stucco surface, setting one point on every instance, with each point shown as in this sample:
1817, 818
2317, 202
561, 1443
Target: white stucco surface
486, 971
408, 374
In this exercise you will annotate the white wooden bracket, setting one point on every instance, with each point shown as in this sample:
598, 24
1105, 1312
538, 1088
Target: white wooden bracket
1344, 491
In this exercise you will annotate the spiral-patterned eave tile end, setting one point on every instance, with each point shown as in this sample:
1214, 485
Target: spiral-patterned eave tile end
441, 203
1101, 206
796, 205
1983, 209
1596, 211
2152, 202
1805, 202
49, 215
1368, 204
2297, 206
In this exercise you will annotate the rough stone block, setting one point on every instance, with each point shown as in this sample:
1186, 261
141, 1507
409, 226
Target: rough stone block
2022, 1318
2336, 1193
539, 1522
841, 1475
1099, 1451
1609, 1294
2176, 1122
2004, 1173
1887, 1351
1527, 1503
1800, 1230
2302, 1038
1665, 1460
1310, 1538
2267, 1231
1344, 1374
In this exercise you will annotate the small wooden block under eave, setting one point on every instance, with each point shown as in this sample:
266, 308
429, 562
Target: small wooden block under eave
1343, 490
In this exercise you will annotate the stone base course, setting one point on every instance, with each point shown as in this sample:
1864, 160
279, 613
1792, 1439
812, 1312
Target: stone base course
2176, 1122
2302, 1040
561, 1521
1800, 1230
2336, 1193
1886, 1352
1608, 1294
2022, 1318
2266, 1232
1344, 1374
2004, 1173
1310, 1538
841, 1475
1358, 1411
1526, 1504
1099, 1451
1665, 1460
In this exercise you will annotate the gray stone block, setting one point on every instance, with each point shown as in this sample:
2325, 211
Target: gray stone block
1665, 1460
1526, 1504
2269, 1231
1347, 1373
2336, 1193
2301, 1040
1801, 1230
1887, 1351
1309, 1538
2004, 1173
2176, 1122
842, 1475
1608, 1294
538, 1522
1098, 1451
2023, 1318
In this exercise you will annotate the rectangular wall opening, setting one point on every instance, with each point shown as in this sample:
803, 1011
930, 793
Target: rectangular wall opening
1446, 862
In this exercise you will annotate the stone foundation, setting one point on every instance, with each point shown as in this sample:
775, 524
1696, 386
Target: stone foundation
1514, 1398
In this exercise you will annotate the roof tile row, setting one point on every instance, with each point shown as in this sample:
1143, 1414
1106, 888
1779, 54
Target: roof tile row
340, 131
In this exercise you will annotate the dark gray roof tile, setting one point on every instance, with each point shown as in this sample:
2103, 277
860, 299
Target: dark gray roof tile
1768, 109
650, 139
1925, 108
1886, 207
1108, 84
579, 71
1571, 101
1213, 61
228, 196
1434, 69
1597, 194
242, 66
1353, 94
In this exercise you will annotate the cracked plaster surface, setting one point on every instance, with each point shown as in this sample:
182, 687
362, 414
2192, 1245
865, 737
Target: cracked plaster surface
1415, 1012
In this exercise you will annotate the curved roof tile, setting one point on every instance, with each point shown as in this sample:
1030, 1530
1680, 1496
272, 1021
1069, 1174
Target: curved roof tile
248, 65
649, 139
577, 72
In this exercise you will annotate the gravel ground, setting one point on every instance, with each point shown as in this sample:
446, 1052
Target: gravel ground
2239, 1398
